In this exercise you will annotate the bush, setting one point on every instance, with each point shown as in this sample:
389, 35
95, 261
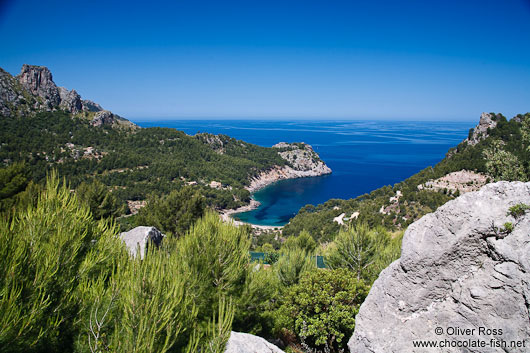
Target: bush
291, 265
320, 310
364, 251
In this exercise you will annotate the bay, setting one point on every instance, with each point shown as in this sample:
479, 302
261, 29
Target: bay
363, 155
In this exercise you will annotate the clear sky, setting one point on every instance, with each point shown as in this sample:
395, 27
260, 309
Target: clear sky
295, 59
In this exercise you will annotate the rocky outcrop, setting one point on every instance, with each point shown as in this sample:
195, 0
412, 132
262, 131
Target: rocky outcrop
247, 343
70, 100
38, 81
214, 141
303, 162
463, 276
139, 238
103, 118
480, 132
14, 99
34, 90
90, 106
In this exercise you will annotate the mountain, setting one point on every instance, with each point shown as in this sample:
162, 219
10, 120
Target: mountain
33, 90
50, 128
496, 149
464, 267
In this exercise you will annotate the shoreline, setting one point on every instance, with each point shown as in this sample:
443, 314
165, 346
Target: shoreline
278, 173
226, 216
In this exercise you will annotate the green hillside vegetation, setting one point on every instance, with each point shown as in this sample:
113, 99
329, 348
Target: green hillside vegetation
134, 164
503, 155
67, 284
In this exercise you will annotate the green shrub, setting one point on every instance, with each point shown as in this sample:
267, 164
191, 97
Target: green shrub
518, 210
320, 310
216, 256
291, 265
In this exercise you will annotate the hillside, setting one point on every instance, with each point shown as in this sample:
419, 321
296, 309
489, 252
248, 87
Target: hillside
496, 149
48, 127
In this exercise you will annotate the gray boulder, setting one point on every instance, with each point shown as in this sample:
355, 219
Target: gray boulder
461, 278
139, 238
247, 343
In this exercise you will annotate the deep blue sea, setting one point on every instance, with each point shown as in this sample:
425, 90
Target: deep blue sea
363, 155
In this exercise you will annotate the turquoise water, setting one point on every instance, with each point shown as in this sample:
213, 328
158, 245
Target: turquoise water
364, 155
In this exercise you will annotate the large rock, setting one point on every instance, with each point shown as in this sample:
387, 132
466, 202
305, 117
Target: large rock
247, 343
139, 238
458, 271
38, 81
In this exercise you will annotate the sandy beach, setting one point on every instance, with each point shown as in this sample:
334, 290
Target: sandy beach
226, 216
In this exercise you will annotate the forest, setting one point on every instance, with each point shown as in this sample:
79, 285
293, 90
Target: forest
134, 164
68, 283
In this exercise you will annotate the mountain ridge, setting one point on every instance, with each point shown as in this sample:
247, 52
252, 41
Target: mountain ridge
33, 90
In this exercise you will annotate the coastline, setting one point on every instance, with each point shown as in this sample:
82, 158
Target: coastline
286, 172
226, 216
304, 166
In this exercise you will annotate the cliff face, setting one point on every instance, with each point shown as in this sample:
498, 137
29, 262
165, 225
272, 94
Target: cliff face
480, 132
34, 90
460, 268
303, 162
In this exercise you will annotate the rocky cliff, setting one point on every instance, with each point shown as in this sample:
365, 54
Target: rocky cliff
34, 90
303, 162
463, 280
480, 132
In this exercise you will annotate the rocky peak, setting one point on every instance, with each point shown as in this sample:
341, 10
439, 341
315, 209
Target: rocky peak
33, 90
480, 132
38, 81
90, 106
464, 266
70, 100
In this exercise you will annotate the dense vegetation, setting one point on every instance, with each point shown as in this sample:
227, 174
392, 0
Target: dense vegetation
134, 163
503, 155
67, 283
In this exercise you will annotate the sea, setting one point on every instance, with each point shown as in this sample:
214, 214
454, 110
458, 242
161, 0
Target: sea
364, 155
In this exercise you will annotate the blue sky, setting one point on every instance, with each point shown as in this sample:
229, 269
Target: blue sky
419, 60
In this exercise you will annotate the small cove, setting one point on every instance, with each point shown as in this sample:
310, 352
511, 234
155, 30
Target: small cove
364, 155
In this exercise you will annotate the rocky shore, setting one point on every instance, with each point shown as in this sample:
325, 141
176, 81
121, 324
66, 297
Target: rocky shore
304, 162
